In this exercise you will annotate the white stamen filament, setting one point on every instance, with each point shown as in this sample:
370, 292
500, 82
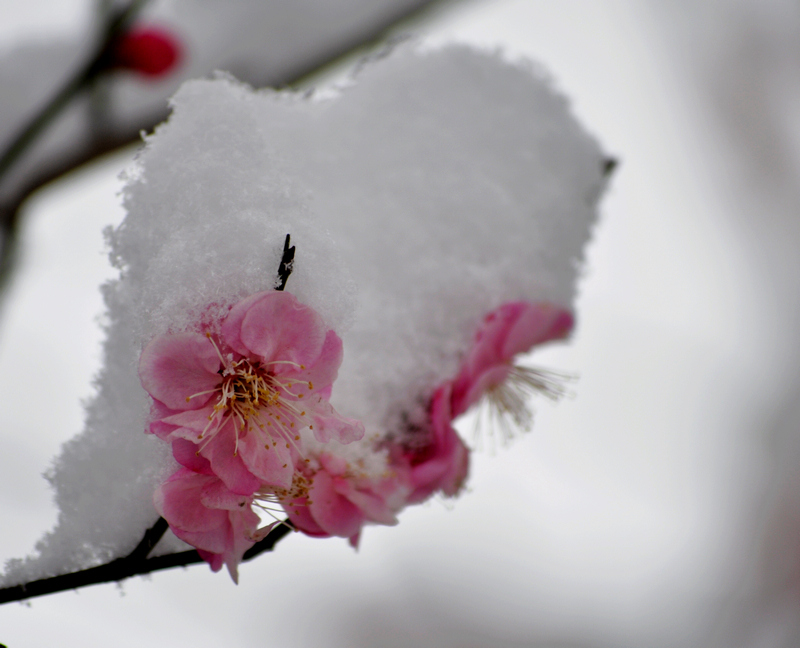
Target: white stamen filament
254, 400
510, 398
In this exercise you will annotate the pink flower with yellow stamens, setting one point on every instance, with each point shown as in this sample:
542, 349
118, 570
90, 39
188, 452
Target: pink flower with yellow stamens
243, 397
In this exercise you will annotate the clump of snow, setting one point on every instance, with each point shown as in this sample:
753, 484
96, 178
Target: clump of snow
437, 186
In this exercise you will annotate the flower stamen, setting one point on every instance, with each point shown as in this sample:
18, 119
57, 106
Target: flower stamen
509, 400
248, 392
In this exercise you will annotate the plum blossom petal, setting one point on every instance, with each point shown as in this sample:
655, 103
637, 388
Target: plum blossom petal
443, 463
271, 463
329, 424
301, 518
185, 453
228, 464
202, 512
331, 510
274, 326
175, 368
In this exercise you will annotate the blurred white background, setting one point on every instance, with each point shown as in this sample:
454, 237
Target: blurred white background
658, 507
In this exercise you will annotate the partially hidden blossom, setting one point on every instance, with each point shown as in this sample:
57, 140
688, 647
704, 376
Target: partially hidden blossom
489, 369
441, 462
339, 499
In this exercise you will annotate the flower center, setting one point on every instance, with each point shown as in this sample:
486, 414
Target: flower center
254, 399
246, 390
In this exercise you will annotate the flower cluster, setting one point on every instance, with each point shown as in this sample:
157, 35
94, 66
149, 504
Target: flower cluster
245, 407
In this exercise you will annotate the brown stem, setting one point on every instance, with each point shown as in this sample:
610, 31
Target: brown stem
134, 564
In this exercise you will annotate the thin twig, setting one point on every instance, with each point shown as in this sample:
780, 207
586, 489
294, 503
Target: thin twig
610, 164
134, 564
117, 23
286, 265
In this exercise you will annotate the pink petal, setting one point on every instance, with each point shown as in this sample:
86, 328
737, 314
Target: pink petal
214, 560
272, 465
276, 327
186, 454
243, 526
215, 495
513, 328
329, 424
301, 518
173, 368
372, 506
477, 385
319, 372
444, 463
333, 465
227, 464
334, 514
187, 425
202, 512
536, 324
178, 501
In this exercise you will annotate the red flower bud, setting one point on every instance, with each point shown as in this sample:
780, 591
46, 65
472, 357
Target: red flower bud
150, 51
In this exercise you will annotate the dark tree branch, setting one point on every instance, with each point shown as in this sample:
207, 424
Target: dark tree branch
98, 63
134, 564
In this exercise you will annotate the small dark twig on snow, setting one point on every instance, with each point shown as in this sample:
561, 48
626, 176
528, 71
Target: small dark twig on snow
287, 263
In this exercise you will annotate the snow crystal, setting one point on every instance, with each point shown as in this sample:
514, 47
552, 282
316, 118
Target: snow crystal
437, 186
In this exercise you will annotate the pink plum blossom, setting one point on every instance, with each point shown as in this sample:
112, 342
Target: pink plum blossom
243, 396
513, 328
200, 510
337, 500
442, 463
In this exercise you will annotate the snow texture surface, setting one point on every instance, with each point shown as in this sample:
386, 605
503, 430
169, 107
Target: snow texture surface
428, 191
